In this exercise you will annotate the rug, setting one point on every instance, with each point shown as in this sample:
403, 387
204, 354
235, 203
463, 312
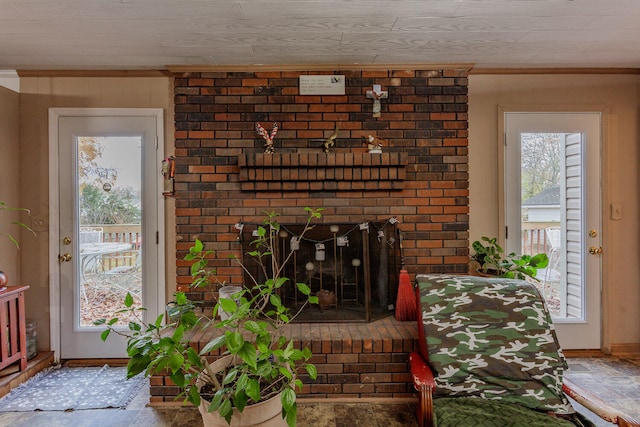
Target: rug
70, 389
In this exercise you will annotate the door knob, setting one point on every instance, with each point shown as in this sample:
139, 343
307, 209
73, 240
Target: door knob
64, 258
595, 251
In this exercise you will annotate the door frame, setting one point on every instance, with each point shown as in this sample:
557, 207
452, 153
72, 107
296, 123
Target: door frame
54, 208
604, 192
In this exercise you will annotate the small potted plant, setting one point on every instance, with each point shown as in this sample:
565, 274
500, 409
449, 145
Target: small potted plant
259, 367
491, 261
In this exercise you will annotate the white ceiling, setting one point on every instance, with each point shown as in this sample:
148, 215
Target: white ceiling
155, 34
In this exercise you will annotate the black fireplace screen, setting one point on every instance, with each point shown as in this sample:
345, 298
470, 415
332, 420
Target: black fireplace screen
352, 268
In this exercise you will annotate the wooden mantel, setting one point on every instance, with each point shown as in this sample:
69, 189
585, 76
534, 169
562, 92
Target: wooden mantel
322, 171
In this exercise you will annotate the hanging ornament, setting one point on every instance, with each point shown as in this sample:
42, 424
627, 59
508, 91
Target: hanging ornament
295, 243
320, 254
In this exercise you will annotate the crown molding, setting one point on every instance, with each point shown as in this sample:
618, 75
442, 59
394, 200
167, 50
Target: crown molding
514, 71
93, 73
314, 67
174, 69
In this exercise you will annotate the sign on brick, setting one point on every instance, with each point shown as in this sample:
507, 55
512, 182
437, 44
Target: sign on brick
322, 85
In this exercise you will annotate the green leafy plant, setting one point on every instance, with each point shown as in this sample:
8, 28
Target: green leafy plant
266, 362
201, 274
5, 207
491, 260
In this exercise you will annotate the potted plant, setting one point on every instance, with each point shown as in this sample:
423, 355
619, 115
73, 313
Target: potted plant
491, 261
260, 365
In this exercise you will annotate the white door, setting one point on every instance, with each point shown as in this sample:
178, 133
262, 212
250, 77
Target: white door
552, 200
106, 199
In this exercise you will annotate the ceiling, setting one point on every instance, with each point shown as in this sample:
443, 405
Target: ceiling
157, 34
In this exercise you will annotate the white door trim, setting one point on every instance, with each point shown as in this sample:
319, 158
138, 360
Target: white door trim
54, 208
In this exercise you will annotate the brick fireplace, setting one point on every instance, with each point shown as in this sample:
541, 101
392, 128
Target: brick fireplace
421, 178
223, 178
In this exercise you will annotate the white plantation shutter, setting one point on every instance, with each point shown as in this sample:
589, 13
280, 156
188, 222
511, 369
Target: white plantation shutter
574, 201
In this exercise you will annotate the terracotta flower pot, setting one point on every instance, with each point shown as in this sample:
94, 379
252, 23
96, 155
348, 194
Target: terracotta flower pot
267, 413
480, 273
227, 292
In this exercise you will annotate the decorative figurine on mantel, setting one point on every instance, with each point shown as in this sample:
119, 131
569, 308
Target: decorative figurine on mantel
268, 138
375, 143
329, 143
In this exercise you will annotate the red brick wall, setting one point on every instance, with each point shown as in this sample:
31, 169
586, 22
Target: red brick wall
425, 118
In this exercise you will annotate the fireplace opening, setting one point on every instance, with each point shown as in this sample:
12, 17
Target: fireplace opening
352, 267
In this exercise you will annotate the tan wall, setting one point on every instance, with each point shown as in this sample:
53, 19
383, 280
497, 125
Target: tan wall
38, 94
621, 239
9, 193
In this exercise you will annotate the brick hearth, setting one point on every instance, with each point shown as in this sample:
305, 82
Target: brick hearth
361, 360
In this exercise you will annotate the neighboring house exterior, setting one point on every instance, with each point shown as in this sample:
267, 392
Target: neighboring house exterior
543, 207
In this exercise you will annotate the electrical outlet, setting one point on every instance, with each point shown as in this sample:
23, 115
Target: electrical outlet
39, 223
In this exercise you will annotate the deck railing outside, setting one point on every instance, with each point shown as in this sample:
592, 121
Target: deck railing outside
534, 239
106, 280
120, 233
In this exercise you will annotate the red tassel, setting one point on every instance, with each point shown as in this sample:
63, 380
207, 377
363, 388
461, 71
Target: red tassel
406, 308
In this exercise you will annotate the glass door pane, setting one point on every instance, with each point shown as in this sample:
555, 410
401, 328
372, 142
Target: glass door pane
109, 225
543, 212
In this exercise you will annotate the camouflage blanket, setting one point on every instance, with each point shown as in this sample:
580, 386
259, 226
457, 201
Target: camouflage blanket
493, 339
473, 412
